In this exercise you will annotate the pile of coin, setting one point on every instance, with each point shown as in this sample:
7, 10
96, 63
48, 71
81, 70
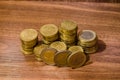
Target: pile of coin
88, 40
68, 32
49, 33
29, 38
60, 46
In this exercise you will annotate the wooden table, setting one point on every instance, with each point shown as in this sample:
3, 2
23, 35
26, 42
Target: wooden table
104, 18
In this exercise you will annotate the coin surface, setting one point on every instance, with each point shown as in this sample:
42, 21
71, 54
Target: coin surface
76, 59
87, 36
26, 52
28, 35
61, 58
49, 30
38, 49
47, 55
68, 26
58, 45
76, 48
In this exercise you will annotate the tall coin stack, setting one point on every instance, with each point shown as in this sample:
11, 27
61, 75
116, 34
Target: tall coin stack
68, 32
49, 33
29, 38
88, 40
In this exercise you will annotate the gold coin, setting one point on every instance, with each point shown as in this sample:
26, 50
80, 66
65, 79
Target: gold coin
28, 35
51, 38
46, 42
68, 26
58, 45
76, 48
47, 55
26, 52
76, 59
92, 49
38, 49
61, 58
49, 30
87, 36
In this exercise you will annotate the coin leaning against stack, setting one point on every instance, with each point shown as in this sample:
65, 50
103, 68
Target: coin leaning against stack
29, 38
68, 32
49, 33
88, 40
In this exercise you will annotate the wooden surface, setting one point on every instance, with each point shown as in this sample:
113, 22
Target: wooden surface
103, 18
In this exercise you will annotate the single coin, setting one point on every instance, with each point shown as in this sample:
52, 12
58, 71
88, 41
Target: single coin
61, 58
76, 48
47, 55
68, 26
92, 49
58, 45
49, 30
87, 36
76, 59
28, 35
38, 49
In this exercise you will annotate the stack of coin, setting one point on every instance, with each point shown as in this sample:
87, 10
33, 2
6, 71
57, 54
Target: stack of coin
49, 33
58, 45
68, 32
38, 49
29, 38
76, 59
88, 40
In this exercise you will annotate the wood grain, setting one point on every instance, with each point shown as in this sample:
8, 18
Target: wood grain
103, 18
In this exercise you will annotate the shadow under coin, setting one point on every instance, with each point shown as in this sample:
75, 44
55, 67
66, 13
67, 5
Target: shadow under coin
101, 46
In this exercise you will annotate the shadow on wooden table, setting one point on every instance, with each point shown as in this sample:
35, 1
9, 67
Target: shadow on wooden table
101, 46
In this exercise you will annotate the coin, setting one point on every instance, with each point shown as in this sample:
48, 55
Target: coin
51, 38
76, 59
61, 58
49, 30
68, 26
46, 42
76, 48
47, 55
28, 35
38, 49
58, 45
26, 52
87, 36
92, 49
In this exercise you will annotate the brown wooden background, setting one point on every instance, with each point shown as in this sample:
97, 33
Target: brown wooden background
103, 18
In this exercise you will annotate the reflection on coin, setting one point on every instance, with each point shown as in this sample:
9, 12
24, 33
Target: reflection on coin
47, 55
76, 59
76, 48
49, 30
58, 45
38, 49
28, 35
61, 58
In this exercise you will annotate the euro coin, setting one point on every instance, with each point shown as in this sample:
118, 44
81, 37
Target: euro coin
26, 52
47, 56
68, 26
76, 48
87, 36
61, 58
76, 59
51, 38
49, 30
46, 42
58, 45
92, 49
28, 35
38, 49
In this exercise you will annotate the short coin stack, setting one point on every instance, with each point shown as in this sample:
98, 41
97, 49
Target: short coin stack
49, 33
88, 40
29, 38
68, 32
